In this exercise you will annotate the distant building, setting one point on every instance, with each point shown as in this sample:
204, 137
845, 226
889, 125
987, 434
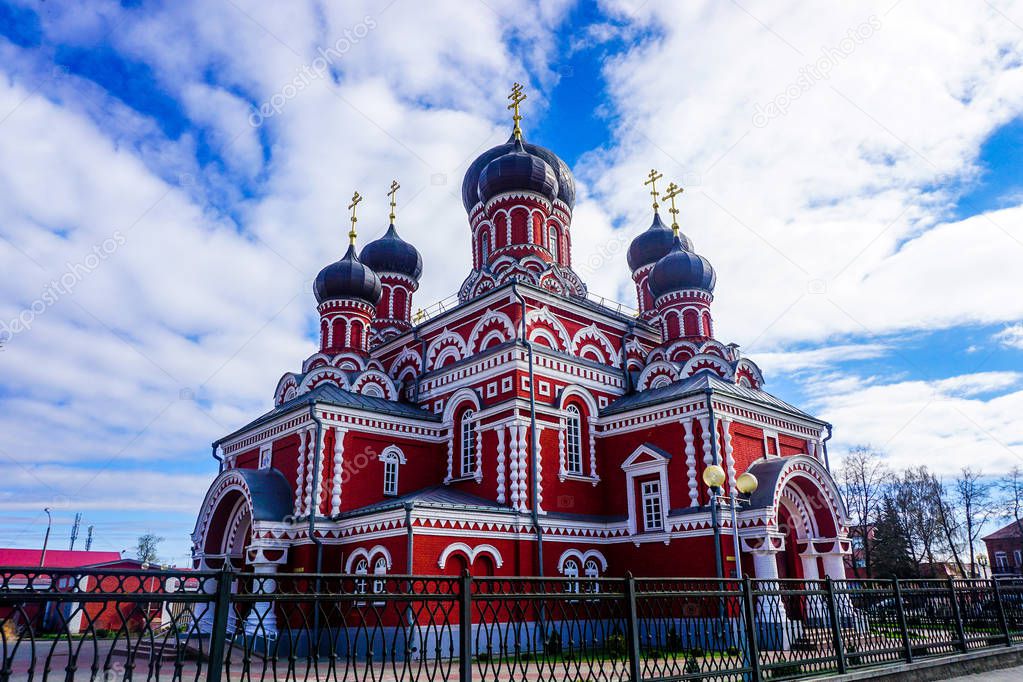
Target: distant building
1005, 550
75, 617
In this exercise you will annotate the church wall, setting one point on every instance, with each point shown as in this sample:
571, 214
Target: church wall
362, 480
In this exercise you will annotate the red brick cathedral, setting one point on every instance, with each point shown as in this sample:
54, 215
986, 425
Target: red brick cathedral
528, 429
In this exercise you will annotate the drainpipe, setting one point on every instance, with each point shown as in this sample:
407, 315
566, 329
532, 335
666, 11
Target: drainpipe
220, 460
408, 540
422, 361
824, 446
315, 508
714, 497
630, 331
534, 507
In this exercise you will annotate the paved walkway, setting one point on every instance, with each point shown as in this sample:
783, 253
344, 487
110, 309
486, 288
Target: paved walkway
1006, 675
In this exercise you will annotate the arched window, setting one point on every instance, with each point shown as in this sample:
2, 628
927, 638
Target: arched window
361, 569
591, 569
707, 331
571, 570
552, 242
573, 441
467, 447
484, 248
690, 323
391, 476
380, 568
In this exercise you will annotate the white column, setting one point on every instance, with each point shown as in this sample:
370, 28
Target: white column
694, 493
300, 476
538, 470
318, 487
562, 456
769, 607
593, 452
834, 565
309, 510
262, 620
500, 464
513, 442
815, 605
335, 488
451, 454
478, 433
726, 426
523, 468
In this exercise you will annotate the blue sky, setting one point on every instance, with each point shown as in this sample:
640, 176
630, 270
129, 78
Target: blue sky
853, 175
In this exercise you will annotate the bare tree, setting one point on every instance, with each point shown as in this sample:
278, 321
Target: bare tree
863, 478
145, 548
1012, 484
947, 517
914, 500
973, 495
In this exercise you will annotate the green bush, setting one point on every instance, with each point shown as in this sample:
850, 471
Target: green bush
616, 645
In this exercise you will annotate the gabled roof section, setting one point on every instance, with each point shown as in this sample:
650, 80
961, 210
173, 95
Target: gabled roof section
696, 385
331, 394
1005, 533
435, 496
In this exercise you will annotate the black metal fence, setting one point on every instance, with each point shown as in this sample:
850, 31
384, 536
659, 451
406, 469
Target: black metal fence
153, 625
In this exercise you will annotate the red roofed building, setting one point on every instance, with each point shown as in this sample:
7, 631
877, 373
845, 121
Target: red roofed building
529, 428
55, 558
1005, 550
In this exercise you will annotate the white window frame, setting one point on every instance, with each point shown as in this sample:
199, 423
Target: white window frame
1001, 560
379, 584
467, 445
552, 242
643, 462
571, 570
652, 506
573, 441
392, 457
1018, 556
591, 569
361, 569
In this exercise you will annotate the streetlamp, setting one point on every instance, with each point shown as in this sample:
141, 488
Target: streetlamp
46, 538
745, 484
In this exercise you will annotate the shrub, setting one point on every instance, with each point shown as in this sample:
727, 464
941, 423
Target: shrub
615, 645
552, 647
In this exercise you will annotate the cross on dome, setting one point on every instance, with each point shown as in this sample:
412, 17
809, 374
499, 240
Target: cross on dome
394, 190
652, 178
672, 192
356, 198
517, 97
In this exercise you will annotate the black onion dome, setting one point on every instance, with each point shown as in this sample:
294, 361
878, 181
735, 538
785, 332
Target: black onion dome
681, 269
391, 253
518, 171
347, 278
470, 183
653, 244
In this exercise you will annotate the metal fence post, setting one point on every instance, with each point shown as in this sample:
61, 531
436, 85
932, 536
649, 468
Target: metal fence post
836, 626
1003, 622
960, 631
903, 627
749, 611
632, 627
221, 612
465, 629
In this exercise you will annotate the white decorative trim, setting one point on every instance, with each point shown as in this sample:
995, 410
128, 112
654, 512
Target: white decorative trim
369, 555
500, 464
335, 488
690, 437
656, 464
470, 552
726, 442
582, 558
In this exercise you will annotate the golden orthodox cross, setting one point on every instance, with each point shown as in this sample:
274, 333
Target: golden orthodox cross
394, 190
653, 177
356, 198
672, 192
517, 97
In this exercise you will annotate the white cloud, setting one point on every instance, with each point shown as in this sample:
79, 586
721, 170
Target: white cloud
945, 424
791, 361
1011, 336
